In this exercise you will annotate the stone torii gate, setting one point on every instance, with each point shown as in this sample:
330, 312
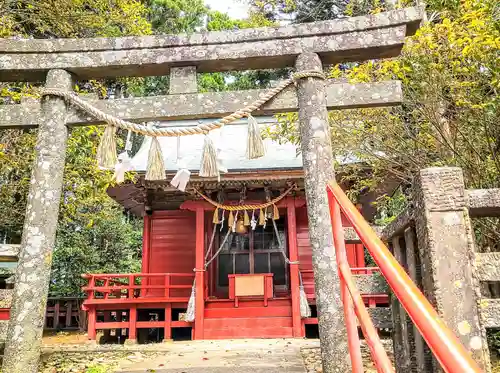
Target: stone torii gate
306, 46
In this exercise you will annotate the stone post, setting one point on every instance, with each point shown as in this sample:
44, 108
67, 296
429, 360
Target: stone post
318, 170
183, 80
446, 249
24, 336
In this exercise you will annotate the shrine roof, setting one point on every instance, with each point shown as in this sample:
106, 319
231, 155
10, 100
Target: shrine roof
232, 140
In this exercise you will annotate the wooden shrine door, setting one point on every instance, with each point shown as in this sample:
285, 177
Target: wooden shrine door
257, 251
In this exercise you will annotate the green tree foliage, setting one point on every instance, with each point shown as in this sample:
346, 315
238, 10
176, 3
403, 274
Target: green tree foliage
92, 232
72, 18
214, 82
274, 10
176, 16
110, 244
300, 11
450, 74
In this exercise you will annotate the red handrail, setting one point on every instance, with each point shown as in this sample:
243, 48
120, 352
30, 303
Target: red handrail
446, 347
353, 303
106, 288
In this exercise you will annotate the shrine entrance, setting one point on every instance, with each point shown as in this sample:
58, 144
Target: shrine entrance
253, 252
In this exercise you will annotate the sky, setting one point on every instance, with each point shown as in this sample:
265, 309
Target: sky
235, 8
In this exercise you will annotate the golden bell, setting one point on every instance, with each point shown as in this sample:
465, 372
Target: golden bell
240, 227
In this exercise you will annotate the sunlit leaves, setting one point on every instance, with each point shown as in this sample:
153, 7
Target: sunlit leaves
450, 72
74, 18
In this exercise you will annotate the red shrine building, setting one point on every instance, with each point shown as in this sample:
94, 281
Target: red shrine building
247, 283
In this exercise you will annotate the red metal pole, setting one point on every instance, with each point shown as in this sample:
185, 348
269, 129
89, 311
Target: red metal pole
446, 347
378, 352
350, 318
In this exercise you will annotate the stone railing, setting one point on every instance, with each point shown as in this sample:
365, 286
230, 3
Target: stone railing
410, 350
486, 203
433, 240
373, 285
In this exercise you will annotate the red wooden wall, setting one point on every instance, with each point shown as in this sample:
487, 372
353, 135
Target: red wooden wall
355, 252
172, 247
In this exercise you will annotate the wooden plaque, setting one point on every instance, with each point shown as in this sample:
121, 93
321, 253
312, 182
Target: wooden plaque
246, 286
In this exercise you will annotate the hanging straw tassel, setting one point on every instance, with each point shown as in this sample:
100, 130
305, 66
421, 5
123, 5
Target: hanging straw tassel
215, 220
305, 309
208, 167
246, 219
276, 213
191, 308
230, 220
106, 151
255, 144
156, 167
262, 217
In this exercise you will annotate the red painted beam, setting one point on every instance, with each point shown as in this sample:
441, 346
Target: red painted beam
91, 332
146, 248
103, 276
293, 253
167, 324
112, 325
138, 301
354, 343
200, 274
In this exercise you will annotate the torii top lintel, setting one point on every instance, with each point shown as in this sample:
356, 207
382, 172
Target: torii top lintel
348, 39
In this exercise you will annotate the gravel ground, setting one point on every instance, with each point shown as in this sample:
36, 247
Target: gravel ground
98, 362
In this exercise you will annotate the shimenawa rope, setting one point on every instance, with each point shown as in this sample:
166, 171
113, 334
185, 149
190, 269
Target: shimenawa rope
106, 153
246, 207
171, 132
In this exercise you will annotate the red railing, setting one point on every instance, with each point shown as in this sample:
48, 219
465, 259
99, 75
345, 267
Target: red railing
135, 285
371, 300
446, 347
